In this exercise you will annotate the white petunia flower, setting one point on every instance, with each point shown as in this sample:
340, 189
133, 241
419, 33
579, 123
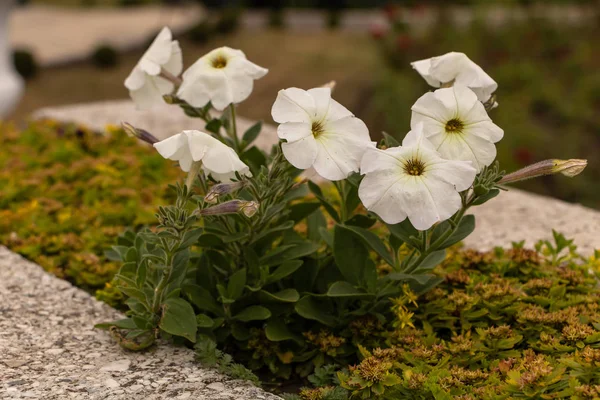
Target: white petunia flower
413, 181
218, 160
223, 76
320, 132
457, 125
146, 87
456, 68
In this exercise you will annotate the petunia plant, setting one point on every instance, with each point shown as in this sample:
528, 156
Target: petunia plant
260, 252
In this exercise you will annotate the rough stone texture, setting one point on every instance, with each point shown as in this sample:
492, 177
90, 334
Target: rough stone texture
512, 216
60, 35
49, 349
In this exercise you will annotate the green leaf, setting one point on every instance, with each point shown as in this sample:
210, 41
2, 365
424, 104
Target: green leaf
404, 230
350, 254
294, 252
204, 321
253, 313
302, 210
345, 289
362, 221
252, 133
277, 331
309, 308
486, 197
389, 140
235, 286
254, 157
133, 292
179, 319
285, 269
213, 125
209, 240
465, 228
316, 190
284, 296
398, 276
432, 260
126, 323
314, 222
373, 241
191, 237
201, 298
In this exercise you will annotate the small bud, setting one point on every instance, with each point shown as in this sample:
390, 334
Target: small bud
139, 133
248, 208
568, 168
222, 189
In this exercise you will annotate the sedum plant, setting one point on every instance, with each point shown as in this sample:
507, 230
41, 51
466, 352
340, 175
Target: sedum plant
279, 269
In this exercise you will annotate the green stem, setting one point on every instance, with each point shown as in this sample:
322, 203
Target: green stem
164, 281
435, 245
232, 131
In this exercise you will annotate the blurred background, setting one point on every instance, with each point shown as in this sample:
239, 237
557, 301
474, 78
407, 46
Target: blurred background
544, 55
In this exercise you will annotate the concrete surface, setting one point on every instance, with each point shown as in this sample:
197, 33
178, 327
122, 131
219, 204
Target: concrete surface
58, 36
49, 349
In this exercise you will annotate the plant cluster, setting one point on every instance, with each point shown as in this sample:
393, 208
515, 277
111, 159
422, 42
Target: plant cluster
67, 193
282, 275
503, 324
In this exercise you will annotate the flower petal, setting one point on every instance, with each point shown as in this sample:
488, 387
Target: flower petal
293, 105
301, 153
429, 201
293, 131
440, 106
423, 68
465, 147
381, 193
461, 174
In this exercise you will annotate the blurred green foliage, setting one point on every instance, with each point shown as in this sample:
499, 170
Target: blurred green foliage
549, 92
67, 193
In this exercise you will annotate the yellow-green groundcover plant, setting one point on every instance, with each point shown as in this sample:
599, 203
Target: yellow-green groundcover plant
67, 193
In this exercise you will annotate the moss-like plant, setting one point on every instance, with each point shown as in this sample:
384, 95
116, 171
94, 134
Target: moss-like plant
67, 193
503, 324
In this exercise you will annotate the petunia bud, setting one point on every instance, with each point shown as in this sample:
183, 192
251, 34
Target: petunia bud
568, 168
222, 189
139, 133
248, 208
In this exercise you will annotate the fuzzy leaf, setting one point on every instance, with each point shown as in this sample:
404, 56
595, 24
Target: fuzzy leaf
253, 313
179, 319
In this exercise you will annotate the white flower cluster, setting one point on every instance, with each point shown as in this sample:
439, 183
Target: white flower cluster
452, 137
222, 77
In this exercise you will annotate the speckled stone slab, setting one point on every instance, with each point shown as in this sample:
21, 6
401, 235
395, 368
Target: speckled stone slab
49, 349
512, 216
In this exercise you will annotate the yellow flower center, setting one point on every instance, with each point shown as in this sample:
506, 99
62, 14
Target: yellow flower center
219, 62
317, 128
454, 126
414, 167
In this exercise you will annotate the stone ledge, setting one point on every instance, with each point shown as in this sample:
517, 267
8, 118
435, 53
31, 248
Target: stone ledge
513, 216
49, 349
